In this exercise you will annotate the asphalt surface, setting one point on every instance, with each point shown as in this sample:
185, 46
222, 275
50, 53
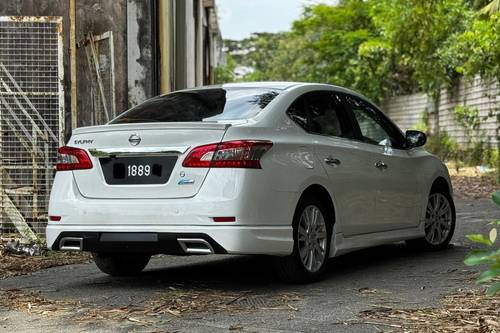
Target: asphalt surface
386, 276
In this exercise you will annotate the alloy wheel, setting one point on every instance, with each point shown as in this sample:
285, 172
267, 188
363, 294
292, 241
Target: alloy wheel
312, 238
438, 219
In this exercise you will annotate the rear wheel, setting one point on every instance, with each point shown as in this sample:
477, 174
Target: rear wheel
311, 234
121, 264
439, 222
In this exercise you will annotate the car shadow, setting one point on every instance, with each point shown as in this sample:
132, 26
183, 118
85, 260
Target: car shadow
237, 273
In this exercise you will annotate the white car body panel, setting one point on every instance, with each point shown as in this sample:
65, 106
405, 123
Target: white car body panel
371, 206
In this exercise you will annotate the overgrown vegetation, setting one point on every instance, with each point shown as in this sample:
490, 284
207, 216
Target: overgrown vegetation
489, 257
379, 47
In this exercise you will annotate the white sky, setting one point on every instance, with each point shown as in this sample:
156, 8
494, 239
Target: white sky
239, 18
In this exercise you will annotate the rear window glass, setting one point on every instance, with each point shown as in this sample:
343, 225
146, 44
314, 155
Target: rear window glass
213, 104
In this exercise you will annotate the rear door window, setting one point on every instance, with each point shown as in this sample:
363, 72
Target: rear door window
211, 104
325, 117
320, 113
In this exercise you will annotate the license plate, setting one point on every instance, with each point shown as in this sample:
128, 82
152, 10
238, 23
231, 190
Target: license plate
137, 170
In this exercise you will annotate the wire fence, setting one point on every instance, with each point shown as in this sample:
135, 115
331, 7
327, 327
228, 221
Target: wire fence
31, 120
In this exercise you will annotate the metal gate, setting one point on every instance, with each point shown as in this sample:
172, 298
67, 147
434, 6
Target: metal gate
31, 119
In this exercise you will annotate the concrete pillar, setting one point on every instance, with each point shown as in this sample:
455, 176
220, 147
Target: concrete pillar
166, 41
199, 12
141, 51
190, 44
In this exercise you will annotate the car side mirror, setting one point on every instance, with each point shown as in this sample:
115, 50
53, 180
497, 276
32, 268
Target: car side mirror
415, 139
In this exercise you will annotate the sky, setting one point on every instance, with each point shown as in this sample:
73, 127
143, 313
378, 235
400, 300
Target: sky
239, 18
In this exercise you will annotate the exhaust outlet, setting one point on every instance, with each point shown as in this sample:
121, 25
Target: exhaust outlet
71, 244
195, 246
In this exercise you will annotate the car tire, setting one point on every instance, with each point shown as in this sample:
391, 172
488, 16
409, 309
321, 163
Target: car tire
440, 220
121, 264
293, 268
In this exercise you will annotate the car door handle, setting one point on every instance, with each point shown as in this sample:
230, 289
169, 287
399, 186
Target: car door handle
332, 161
381, 165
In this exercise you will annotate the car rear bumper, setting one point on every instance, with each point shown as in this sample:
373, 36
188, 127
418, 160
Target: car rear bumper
171, 239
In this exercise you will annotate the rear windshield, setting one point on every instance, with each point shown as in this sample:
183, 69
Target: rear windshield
213, 104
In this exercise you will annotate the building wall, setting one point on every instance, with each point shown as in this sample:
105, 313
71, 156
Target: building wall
46, 8
408, 110
141, 51
191, 29
97, 17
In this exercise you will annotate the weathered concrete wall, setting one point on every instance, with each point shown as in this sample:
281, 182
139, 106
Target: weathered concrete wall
193, 39
91, 16
408, 110
47, 8
141, 52
98, 17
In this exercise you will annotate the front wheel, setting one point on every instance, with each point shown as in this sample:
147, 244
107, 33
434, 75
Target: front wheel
312, 233
439, 223
121, 264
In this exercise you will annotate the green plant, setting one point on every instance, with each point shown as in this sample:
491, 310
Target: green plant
468, 118
423, 123
489, 257
225, 73
443, 146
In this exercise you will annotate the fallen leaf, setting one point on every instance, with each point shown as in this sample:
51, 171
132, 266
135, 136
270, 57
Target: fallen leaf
235, 328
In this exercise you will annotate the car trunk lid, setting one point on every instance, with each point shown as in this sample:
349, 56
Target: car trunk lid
143, 161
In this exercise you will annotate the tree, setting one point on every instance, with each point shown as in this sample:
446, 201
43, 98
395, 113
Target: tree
225, 73
324, 46
416, 30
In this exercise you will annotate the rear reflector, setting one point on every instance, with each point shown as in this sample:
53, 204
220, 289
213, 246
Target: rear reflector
224, 219
230, 154
54, 218
71, 158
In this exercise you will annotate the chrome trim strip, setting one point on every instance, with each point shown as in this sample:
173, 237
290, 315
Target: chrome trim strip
107, 152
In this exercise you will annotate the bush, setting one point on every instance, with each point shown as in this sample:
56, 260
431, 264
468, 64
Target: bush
447, 149
443, 146
490, 257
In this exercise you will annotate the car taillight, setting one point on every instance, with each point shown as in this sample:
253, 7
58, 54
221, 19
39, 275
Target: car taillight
230, 154
71, 158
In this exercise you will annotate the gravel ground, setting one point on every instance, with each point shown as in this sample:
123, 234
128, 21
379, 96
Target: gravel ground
222, 293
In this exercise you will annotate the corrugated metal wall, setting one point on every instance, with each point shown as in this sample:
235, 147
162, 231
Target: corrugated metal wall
408, 110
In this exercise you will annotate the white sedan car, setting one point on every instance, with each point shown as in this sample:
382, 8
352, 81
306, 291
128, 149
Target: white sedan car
300, 172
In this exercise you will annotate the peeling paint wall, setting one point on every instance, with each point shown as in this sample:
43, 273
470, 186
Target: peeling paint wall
91, 16
46, 8
141, 52
98, 17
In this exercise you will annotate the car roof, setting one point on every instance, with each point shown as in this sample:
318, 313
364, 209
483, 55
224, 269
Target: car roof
278, 85
281, 85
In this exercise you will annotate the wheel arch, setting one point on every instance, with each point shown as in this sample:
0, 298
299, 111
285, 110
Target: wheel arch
440, 183
320, 192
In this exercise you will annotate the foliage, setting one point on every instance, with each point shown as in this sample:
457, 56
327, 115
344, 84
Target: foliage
416, 31
334, 44
380, 48
476, 51
490, 257
224, 74
492, 8
443, 146
467, 117
447, 149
